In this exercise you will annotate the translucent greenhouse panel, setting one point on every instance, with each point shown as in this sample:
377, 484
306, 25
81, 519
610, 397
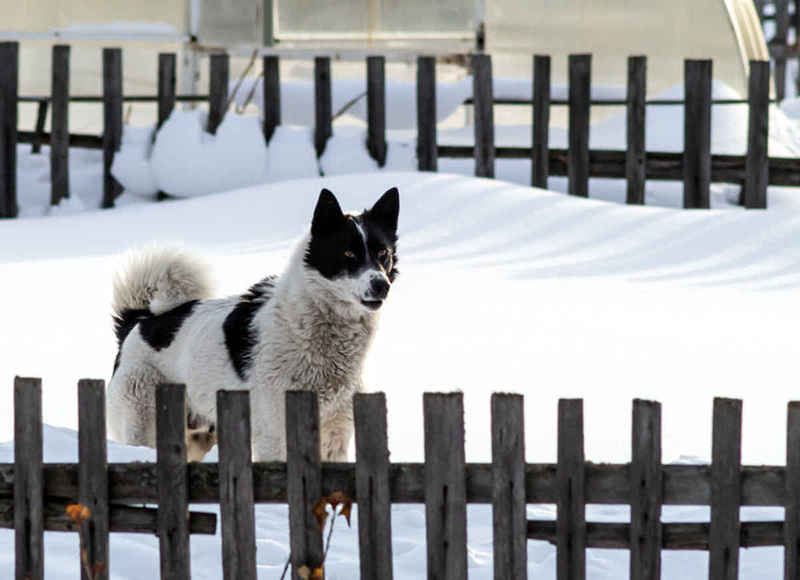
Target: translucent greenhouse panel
228, 22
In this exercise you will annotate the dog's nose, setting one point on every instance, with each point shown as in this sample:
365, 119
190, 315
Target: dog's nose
379, 288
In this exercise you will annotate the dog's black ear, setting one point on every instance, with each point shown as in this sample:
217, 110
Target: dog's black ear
328, 214
386, 210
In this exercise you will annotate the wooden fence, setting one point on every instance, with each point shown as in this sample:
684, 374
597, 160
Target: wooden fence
33, 495
785, 18
695, 166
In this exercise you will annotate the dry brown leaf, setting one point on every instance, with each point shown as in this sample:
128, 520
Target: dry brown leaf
318, 574
320, 512
78, 512
338, 497
304, 572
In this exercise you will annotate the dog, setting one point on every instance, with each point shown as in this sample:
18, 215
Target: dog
309, 328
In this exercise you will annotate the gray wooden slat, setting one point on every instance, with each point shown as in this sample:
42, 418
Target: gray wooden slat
28, 481
482, 95
236, 485
303, 479
376, 108
509, 522
372, 486
427, 157
646, 491
697, 134
272, 95
781, 38
540, 154
724, 530
445, 486
59, 125
112, 121
323, 120
166, 86
9, 79
93, 474
636, 113
41, 119
173, 492
791, 528
757, 165
580, 75
571, 517
217, 90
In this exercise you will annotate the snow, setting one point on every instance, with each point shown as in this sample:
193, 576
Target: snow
502, 287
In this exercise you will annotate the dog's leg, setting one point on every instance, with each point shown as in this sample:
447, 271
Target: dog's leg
335, 434
132, 405
201, 436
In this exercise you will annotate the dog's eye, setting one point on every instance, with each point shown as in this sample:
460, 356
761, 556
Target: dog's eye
384, 254
349, 255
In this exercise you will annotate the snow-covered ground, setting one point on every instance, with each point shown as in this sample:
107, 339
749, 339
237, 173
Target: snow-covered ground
502, 287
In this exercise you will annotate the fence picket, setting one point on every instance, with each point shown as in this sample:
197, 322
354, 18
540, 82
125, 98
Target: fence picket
217, 90
636, 150
482, 95
781, 38
59, 125
9, 79
28, 480
445, 486
93, 474
580, 75
166, 86
646, 491
112, 121
372, 487
323, 121
757, 162
303, 480
697, 134
272, 95
509, 520
571, 517
724, 530
791, 526
236, 486
427, 155
540, 154
173, 489
376, 108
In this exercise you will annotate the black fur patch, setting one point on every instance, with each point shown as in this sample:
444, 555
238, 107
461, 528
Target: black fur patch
159, 331
123, 324
240, 336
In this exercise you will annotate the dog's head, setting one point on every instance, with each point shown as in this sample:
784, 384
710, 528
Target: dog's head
355, 254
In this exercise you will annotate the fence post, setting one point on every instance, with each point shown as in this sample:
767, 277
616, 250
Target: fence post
28, 480
724, 530
756, 174
166, 86
781, 40
217, 90
112, 126
173, 488
59, 126
372, 486
509, 519
646, 491
697, 134
540, 160
482, 97
322, 98
376, 108
236, 486
580, 87
303, 480
9, 78
445, 486
635, 153
272, 96
791, 526
427, 156
93, 473
570, 476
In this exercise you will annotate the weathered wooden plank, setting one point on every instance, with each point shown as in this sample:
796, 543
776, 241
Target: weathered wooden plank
112, 121
166, 86
303, 479
445, 486
636, 114
571, 522
697, 134
726, 494
427, 156
509, 523
41, 119
323, 120
217, 90
93, 475
646, 491
59, 123
28, 481
372, 486
580, 75
236, 486
482, 95
540, 157
173, 492
791, 529
9, 79
376, 108
756, 164
780, 39
272, 95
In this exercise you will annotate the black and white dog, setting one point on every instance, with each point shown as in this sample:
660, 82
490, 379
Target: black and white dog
308, 329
